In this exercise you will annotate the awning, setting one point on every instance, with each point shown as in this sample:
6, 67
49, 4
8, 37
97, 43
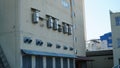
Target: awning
32, 52
83, 58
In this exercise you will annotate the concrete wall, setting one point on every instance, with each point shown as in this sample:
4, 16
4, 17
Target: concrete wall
35, 31
79, 32
57, 10
16, 23
9, 35
100, 62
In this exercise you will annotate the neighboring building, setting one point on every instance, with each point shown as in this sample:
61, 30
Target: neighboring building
93, 45
41, 33
115, 25
104, 43
101, 59
99, 51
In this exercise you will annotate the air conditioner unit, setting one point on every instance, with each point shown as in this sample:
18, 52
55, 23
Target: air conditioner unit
55, 24
50, 22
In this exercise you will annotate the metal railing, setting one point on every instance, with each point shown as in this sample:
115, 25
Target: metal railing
3, 60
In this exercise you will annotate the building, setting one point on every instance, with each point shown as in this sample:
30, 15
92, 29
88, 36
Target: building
100, 52
104, 43
115, 26
93, 45
100, 59
41, 33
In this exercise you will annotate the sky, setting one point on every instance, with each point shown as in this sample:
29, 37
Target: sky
97, 17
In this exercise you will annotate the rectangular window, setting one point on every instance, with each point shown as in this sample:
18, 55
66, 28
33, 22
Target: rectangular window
58, 62
119, 61
39, 62
118, 42
117, 20
49, 62
65, 63
71, 63
27, 61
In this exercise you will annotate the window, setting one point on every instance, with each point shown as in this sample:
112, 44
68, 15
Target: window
65, 48
71, 49
65, 3
27, 61
71, 63
75, 39
117, 20
58, 46
39, 62
49, 44
118, 42
49, 62
58, 62
65, 63
119, 61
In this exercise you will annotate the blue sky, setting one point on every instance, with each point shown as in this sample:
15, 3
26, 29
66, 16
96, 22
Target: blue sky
98, 18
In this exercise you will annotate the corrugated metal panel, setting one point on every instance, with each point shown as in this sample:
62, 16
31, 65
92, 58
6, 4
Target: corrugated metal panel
39, 62
58, 62
27, 61
49, 62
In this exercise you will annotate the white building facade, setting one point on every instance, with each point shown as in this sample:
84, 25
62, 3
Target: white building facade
41, 33
115, 25
98, 45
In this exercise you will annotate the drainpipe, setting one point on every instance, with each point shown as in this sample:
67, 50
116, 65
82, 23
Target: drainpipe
72, 19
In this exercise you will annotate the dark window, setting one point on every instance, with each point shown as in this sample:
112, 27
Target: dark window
119, 61
71, 63
1, 63
118, 42
71, 48
49, 62
117, 20
65, 63
58, 46
58, 63
39, 62
27, 61
49, 44
65, 48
